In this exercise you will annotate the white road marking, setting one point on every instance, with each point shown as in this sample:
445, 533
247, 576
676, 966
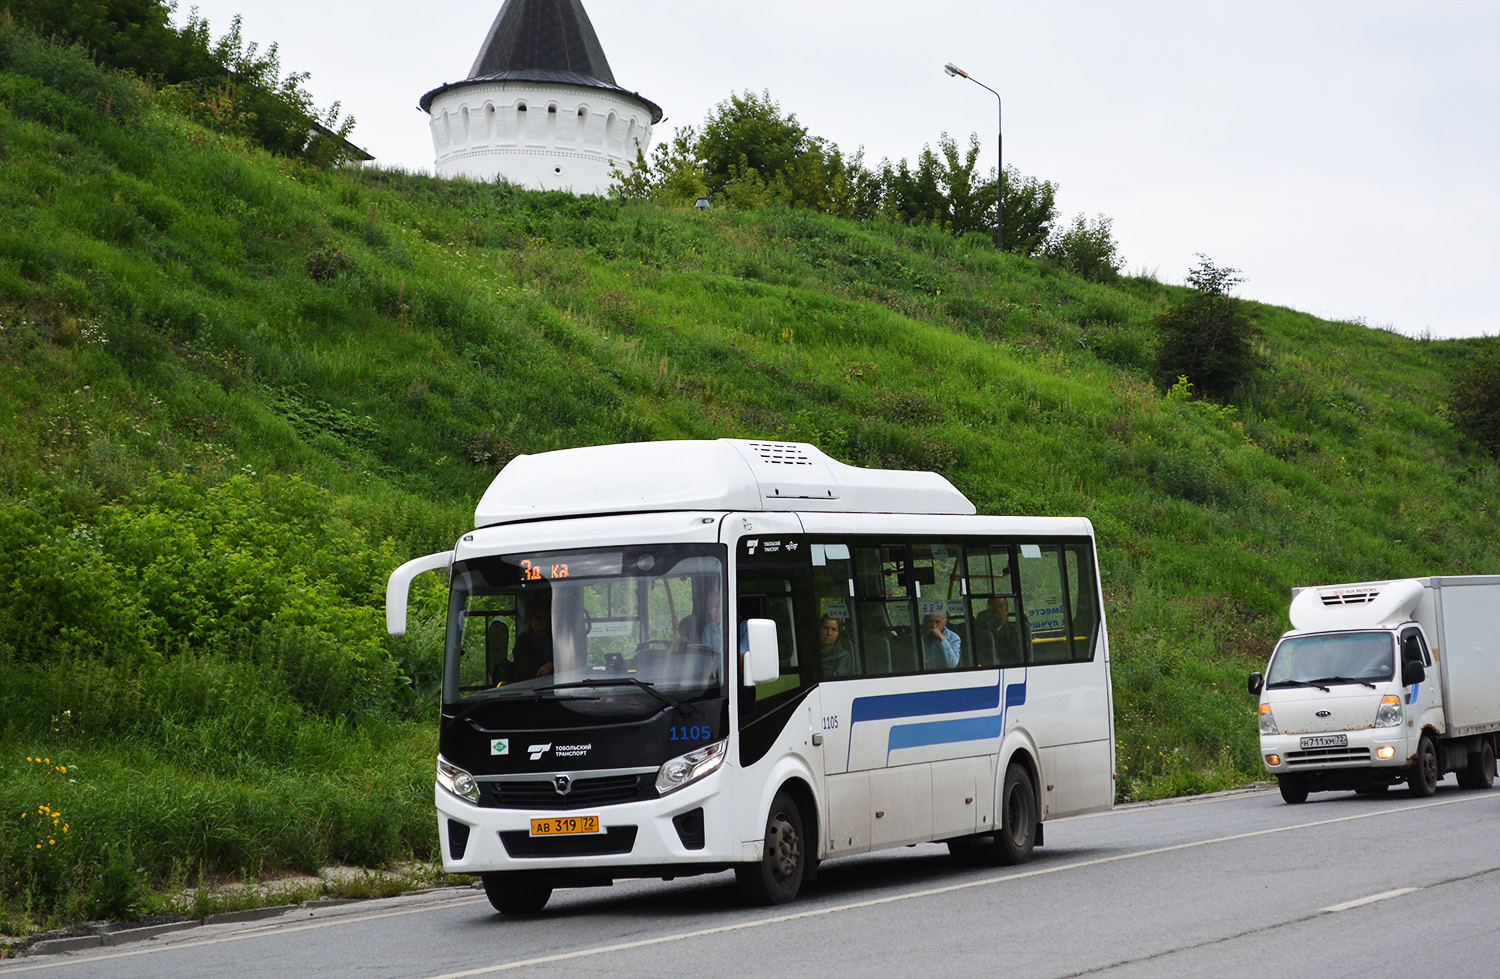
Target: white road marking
271, 930
928, 892
1360, 902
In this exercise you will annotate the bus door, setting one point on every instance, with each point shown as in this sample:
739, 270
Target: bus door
780, 718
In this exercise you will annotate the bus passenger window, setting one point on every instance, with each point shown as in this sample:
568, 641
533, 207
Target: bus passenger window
1082, 601
1046, 603
836, 627
1002, 634
937, 587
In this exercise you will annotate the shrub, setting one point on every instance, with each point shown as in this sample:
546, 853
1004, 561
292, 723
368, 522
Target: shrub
1206, 337
1086, 249
1474, 401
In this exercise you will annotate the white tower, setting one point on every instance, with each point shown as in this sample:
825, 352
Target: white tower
540, 107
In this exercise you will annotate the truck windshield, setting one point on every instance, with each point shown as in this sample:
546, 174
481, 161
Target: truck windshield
615, 631
1340, 657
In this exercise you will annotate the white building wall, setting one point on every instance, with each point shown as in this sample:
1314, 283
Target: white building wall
546, 137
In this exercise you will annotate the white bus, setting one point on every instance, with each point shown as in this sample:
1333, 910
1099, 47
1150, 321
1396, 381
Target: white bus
671, 658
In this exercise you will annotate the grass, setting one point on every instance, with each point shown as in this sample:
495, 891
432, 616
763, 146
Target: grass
236, 391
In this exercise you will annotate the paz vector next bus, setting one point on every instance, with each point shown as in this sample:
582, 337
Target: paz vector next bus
671, 658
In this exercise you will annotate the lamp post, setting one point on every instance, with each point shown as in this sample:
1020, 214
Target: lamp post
953, 69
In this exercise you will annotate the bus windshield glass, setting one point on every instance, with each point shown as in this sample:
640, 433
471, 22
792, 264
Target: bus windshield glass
614, 630
1341, 657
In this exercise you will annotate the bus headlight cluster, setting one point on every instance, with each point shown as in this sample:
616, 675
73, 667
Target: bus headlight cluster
689, 768
1267, 722
457, 781
1389, 714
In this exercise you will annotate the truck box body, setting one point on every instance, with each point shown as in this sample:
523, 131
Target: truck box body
1383, 682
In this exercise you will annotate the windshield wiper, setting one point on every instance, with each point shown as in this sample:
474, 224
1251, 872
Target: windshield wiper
1299, 683
629, 681
496, 695
1342, 679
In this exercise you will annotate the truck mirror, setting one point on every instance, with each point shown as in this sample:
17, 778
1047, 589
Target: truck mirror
762, 661
1256, 682
1412, 672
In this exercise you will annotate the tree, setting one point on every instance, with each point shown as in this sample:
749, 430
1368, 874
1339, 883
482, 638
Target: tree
1086, 249
748, 133
227, 85
1207, 337
1474, 400
1030, 209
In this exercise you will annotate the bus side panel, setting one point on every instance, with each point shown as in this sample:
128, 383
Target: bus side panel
1067, 713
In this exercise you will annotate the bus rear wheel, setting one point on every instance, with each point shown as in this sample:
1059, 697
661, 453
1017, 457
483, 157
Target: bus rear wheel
777, 877
1017, 836
516, 892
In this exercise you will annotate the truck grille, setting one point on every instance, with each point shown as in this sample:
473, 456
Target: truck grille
583, 793
1322, 756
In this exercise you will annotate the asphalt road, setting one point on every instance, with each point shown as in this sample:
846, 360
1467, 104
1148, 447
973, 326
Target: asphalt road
1237, 884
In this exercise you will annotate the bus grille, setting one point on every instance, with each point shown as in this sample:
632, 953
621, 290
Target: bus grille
616, 839
584, 792
1322, 756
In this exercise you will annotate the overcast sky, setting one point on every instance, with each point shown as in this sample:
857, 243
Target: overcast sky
1344, 155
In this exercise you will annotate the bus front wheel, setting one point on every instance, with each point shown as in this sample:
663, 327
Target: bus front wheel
516, 892
777, 877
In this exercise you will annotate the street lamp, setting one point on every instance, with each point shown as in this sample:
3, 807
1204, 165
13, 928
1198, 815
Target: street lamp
953, 69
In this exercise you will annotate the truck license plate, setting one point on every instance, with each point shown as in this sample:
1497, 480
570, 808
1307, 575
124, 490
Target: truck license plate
565, 825
1322, 741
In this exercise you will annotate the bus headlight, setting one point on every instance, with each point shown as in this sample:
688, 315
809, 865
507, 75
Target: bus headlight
1267, 722
1389, 714
689, 768
457, 781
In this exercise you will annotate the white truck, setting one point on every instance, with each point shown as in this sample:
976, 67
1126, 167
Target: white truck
1383, 682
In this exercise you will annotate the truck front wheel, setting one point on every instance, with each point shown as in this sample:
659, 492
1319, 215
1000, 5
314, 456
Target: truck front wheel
1424, 775
1293, 788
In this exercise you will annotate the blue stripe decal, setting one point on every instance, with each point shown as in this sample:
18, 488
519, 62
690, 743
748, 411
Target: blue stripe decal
887, 706
928, 702
944, 732
1411, 698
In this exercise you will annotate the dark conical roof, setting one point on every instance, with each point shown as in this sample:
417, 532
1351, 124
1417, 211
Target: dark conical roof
543, 35
543, 41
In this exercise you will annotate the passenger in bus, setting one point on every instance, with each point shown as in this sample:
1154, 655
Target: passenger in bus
687, 634
712, 634
939, 643
1009, 637
838, 658
533, 652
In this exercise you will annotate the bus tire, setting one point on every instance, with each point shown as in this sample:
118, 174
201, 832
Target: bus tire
1424, 775
516, 892
1017, 836
1293, 789
777, 876
1480, 772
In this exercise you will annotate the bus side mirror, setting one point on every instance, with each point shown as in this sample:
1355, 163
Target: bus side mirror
762, 661
1256, 682
398, 587
1412, 672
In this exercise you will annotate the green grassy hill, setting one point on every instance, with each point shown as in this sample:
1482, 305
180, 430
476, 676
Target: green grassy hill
236, 391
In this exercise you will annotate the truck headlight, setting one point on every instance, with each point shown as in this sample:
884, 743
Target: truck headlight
1389, 714
457, 781
689, 768
1267, 722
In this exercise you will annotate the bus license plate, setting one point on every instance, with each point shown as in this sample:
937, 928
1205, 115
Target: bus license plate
565, 825
1326, 741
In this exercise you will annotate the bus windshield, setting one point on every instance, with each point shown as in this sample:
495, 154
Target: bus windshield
1341, 657
618, 631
